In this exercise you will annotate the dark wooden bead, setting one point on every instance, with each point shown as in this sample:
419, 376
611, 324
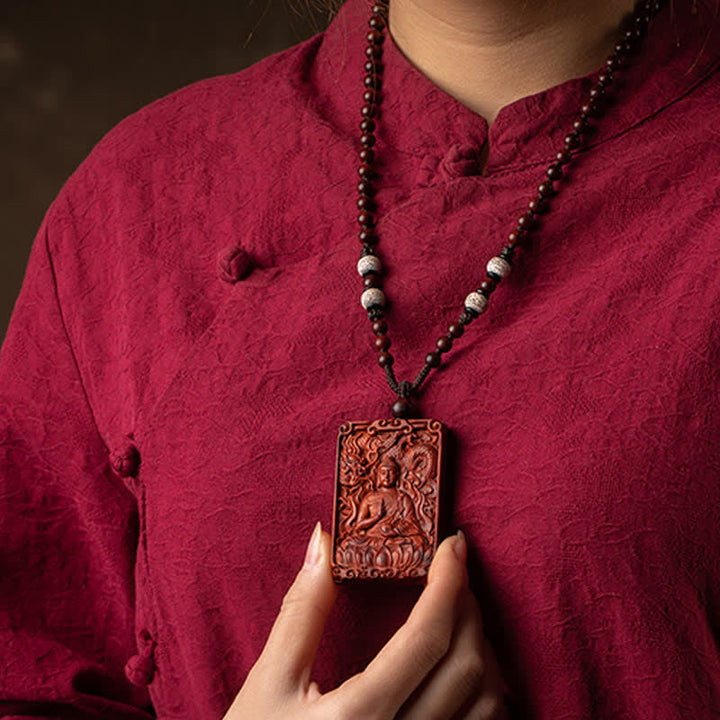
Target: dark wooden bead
508, 253
372, 280
546, 189
367, 139
370, 96
368, 237
365, 188
537, 205
380, 9
605, 78
379, 327
596, 93
572, 140
525, 222
365, 203
385, 359
367, 155
375, 37
367, 125
456, 330
365, 171
612, 62
374, 51
433, 359
377, 22
580, 125
466, 317
401, 408
366, 220
372, 80
554, 172
563, 157
444, 344
372, 67
368, 111
513, 238
623, 48
382, 342
487, 286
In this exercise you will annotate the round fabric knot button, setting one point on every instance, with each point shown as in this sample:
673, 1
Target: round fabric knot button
125, 460
233, 264
460, 161
140, 669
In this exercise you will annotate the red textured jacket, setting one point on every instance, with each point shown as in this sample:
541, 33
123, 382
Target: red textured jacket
189, 338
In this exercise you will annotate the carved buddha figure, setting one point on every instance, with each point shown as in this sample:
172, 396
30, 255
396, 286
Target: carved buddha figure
387, 511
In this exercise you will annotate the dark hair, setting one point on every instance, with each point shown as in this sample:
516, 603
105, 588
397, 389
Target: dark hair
316, 8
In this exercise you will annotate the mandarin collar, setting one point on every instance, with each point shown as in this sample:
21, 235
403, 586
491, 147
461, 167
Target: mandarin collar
680, 49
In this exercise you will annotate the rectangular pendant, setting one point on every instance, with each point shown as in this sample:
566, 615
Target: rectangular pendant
387, 499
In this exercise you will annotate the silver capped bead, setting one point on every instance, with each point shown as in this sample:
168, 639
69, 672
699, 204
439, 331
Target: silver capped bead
476, 302
369, 264
498, 266
372, 297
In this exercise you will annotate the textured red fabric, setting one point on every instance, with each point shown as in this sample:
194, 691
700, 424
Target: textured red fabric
189, 338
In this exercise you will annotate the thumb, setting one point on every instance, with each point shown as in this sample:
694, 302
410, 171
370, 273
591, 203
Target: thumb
296, 634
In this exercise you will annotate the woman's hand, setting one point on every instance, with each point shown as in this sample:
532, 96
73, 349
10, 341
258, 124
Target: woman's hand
438, 665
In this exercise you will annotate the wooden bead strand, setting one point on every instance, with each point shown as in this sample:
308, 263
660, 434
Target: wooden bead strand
373, 298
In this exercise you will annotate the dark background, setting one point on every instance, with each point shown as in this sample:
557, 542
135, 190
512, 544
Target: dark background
70, 70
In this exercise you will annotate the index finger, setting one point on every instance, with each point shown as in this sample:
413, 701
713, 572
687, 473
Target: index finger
418, 646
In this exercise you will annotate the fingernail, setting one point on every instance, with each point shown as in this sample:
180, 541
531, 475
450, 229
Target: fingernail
313, 552
461, 546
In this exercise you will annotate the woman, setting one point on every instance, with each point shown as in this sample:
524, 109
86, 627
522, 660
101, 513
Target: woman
188, 340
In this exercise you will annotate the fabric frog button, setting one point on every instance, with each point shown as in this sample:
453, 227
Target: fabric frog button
125, 460
140, 668
461, 161
233, 264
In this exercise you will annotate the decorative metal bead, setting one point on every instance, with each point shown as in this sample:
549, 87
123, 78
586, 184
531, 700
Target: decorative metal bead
369, 264
476, 302
372, 297
498, 266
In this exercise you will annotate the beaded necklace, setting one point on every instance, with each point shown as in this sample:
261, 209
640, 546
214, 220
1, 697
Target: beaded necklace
388, 474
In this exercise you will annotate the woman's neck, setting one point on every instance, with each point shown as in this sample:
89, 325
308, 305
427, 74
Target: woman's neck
489, 53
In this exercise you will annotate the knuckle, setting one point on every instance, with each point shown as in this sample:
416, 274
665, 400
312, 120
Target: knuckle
488, 707
431, 644
470, 673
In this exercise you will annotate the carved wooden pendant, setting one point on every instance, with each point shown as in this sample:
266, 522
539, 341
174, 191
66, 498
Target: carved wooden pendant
387, 494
